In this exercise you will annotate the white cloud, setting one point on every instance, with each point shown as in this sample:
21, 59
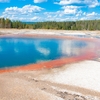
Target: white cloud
70, 9
89, 3
4, 1
69, 16
35, 18
26, 19
92, 14
35, 13
79, 13
92, 3
39, 1
26, 13
84, 13
27, 9
66, 2
66, 11
59, 16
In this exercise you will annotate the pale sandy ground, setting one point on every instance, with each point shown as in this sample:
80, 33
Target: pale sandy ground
70, 82
78, 81
41, 31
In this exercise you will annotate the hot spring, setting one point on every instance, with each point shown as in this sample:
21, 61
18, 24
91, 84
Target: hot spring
22, 51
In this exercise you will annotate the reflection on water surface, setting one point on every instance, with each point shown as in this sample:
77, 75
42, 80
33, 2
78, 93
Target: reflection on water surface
21, 51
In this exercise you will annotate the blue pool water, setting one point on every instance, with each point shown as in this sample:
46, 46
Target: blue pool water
22, 51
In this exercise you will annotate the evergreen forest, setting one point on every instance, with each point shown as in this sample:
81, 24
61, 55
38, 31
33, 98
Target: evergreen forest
66, 25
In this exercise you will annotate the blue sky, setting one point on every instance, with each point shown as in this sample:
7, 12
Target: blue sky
50, 10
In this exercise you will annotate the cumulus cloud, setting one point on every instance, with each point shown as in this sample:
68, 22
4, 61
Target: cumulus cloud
60, 16
70, 9
4, 1
92, 14
92, 3
68, 12
27, 9
23, 18
89, 3
79, 13
65, 14
88, 16
66, 2
26, 13
65, 10
39, 1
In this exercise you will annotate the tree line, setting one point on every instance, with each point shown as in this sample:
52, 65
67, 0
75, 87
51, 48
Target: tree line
67, 25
